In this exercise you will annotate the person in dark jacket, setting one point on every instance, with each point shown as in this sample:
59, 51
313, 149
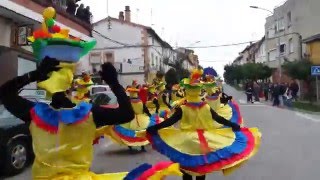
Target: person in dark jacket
80, 13
72, 7
87, 15
294, 89
275, 94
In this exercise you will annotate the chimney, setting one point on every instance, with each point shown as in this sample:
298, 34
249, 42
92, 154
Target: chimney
128, 14
121, 16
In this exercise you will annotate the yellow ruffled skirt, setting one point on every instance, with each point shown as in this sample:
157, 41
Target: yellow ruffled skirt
200, 152
126, 134
143, 172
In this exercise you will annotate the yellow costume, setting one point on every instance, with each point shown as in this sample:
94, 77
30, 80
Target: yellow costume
82, 89
203, 146
125, 134
62, 138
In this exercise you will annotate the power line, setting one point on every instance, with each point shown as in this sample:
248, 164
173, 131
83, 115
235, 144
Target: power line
124, 45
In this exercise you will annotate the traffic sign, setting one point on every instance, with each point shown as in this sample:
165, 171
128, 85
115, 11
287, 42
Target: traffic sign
315, 70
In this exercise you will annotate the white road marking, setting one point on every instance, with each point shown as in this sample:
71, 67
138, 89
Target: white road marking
306, 116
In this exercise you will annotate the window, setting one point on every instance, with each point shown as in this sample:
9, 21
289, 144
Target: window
282, 49
157, 64
291, 45
271, 31
152, 60
272, 55
280, 24
289, 18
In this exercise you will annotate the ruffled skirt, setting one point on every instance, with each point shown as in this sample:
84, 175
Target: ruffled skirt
231, 112
126, 134
143, 172
201, 152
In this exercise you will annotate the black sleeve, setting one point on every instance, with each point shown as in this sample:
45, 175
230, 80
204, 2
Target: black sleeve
222, 120
170, 121
164, 99
16, 105
178, 95
107, 116
146, 110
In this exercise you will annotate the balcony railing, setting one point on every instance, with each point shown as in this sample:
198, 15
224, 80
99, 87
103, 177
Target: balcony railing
60, 10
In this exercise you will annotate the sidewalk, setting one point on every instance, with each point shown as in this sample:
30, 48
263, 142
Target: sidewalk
241, 97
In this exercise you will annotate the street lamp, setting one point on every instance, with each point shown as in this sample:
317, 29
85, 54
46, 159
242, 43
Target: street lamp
256, 7
278, 40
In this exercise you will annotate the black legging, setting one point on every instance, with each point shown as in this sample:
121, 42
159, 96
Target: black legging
189, 177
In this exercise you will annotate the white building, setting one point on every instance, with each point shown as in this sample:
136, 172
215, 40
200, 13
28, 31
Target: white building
18, 19
260, 51
136, 50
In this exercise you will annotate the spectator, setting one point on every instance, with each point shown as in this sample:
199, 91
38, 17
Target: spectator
249, 92
72, 7
266, 90
87, 15
283, 88
80, 12
294, 89
256, 91
275, 94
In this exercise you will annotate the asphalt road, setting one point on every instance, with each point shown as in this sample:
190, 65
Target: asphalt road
289, 149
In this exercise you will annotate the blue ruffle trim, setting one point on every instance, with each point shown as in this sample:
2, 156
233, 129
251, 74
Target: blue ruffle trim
187, 160
135, 173
235, 115
132, 133
67, 116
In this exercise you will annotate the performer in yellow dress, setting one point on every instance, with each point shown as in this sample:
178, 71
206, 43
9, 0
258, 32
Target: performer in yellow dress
82, 88
125, 134
220, 102
200, 145
62, 132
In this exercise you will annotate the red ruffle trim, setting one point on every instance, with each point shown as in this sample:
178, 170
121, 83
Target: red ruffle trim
42, 124
129, 139
238, 112
47, 127
150, 172
224, 162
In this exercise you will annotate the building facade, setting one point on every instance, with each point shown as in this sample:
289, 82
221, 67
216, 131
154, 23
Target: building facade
136, 50
285, 29
18, 19
260, 51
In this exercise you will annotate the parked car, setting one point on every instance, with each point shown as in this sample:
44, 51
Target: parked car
15, 140
99, 89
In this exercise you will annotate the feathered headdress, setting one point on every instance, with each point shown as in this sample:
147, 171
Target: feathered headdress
194, 80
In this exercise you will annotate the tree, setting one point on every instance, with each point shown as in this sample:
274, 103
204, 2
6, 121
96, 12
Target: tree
301, 70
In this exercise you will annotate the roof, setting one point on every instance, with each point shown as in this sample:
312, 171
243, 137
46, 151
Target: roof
157, 37
149, 29
120, 21
259, 43
312, 39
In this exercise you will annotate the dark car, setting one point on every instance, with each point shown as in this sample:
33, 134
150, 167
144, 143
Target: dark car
15, 141
15, 144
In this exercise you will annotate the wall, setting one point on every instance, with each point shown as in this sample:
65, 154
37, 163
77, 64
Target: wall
120, 32
125, 33
155, 54
260, 55
5, 26
313, 49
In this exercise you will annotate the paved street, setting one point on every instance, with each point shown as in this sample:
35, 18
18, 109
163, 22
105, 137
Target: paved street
289, 150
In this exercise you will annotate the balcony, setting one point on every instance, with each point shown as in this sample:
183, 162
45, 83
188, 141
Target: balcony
62, 11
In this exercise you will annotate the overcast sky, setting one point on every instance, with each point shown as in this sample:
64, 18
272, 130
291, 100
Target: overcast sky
183, 22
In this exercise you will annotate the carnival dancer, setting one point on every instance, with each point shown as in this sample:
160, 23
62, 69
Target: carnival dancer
220, 102
153, 102
125, 134
177, 93
163, 97
81, 85
199, 145
62, 132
